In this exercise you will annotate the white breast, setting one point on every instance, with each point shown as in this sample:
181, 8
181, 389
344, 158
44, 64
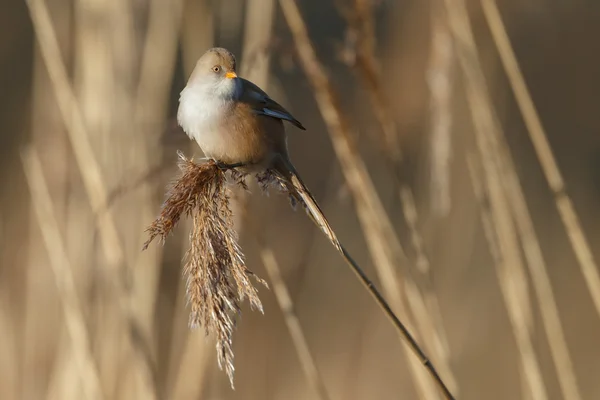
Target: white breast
200, 114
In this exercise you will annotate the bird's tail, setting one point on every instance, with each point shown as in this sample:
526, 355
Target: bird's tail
298, 190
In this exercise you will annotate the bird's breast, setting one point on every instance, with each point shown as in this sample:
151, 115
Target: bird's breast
229, 131
198, 114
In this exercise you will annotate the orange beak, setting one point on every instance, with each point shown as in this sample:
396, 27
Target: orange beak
230, 75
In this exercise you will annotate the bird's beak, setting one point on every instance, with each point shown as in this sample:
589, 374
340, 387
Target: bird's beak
230, 75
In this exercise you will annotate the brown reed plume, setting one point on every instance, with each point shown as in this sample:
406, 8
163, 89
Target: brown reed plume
217, 279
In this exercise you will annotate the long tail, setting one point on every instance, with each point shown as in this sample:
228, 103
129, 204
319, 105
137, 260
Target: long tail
298, 190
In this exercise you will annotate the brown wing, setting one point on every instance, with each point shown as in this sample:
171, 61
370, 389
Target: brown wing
261, 103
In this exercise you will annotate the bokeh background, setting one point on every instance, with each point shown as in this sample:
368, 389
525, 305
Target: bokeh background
426, 200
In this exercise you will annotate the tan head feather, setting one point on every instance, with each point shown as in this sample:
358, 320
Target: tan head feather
217, 62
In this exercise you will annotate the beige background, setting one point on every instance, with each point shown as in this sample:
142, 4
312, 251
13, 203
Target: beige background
127, 61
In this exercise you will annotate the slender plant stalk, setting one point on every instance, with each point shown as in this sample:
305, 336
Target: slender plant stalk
564, 204
257, 37
365, 63
425, 308
440, 81
89, 167
91, 174
63, 276
357, 177
195, 354
495, 167
286, 304
511, 279
402, 330
150, 98
533, 254
256, 67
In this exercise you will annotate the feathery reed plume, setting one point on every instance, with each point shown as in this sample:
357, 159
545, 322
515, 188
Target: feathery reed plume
217, 278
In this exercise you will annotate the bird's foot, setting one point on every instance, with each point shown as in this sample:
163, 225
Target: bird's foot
223, 166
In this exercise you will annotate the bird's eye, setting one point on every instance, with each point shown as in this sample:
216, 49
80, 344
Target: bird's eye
216, 68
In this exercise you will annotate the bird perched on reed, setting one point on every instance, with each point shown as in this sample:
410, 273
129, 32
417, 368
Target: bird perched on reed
239, 126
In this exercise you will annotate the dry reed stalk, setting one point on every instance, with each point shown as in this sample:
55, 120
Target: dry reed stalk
49, 360
257, 36
84, 154
548, 163
217, 279
157, 64
365, 63
430, 323
286, 304
369, 207
197, 31
9, 375
511, 282
195, 355
537, 267
158, 57
63, 275
498, 186
256, 59
440, 74
91, 174
150, 97
130, 184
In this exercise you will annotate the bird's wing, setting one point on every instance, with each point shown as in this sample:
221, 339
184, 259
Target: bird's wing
262, 104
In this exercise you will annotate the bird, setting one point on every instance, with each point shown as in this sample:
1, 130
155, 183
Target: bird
239, 126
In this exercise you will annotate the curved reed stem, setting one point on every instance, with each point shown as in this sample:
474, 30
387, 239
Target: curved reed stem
402, 330
338, 127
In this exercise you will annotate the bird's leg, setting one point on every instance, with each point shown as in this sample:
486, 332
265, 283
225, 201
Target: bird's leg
223, 166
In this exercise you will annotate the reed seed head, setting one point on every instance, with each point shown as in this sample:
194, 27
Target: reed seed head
217, 279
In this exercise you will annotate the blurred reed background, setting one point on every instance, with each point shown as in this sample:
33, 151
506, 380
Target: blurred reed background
453, 144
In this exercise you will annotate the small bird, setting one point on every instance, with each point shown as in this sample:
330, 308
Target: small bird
238, 125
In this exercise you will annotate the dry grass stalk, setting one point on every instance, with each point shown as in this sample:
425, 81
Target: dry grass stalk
91, 174
501, 185
198, 356
512, 280
63, 274
257, 36
256, 63
84, 154
531, 246
361, 32
190, 353
440, 76
361, 27
564, 204
286, 304
378, 229
217, 278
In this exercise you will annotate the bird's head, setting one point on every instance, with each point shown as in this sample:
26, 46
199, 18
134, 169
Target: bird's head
215, 72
